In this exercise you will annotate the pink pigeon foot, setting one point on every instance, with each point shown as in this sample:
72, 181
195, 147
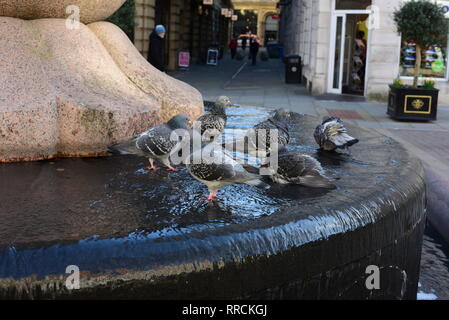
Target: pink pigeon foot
152, 168
212, 196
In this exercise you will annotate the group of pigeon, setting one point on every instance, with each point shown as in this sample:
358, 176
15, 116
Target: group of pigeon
221, 169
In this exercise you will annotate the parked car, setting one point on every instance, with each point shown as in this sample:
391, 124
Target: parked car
247, 36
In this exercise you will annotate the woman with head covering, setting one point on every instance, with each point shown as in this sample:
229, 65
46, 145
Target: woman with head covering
156, 53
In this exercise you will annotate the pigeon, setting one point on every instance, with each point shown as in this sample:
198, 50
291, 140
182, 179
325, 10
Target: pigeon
213, 123
156, 143
332, 135
224, 101
257, 140
299, 169
214, 167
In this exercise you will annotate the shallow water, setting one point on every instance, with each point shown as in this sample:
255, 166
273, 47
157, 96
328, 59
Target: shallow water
113, 208
434, 276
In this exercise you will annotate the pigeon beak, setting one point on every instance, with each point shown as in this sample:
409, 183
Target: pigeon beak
189, 123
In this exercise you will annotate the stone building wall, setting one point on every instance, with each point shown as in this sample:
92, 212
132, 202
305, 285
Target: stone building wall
188, 28
305, 30
145, 14
383, 51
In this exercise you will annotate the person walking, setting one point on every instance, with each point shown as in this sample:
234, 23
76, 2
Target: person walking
233, 47
156, 53
254, 51
244, 39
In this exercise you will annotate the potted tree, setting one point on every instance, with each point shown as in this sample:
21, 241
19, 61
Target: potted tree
423, 25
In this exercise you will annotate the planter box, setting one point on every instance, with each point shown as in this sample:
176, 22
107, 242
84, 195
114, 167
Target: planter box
412, 103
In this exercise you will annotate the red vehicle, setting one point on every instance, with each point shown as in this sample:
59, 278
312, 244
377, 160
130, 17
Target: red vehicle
248, 39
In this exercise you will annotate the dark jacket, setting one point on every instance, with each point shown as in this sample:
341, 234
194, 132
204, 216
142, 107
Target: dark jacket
254, 47
156, 53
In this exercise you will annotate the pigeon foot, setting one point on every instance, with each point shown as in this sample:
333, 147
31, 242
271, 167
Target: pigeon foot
152, 168
212, 196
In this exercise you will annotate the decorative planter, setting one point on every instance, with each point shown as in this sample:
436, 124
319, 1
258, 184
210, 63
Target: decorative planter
413, 103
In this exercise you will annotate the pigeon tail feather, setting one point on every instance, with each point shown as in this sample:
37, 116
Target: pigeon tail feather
317, 182
258, 183
127, 147
344, 140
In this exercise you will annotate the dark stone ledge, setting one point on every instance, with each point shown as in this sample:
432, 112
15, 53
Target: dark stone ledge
137, 235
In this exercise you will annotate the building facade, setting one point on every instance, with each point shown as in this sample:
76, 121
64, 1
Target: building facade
352, 47
191, 25
264, 10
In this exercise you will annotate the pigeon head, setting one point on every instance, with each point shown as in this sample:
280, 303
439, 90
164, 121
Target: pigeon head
327, 119
224, 101
281, 119
181, 121
281, 114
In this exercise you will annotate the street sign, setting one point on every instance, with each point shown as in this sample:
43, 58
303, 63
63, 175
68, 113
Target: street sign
184, 59
212, 57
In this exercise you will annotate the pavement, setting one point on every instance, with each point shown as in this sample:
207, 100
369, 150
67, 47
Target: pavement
264, 85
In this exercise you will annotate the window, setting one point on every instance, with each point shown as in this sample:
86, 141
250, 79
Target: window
434, 60
352, 4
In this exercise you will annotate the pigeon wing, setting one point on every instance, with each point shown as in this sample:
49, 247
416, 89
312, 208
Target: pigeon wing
156, 141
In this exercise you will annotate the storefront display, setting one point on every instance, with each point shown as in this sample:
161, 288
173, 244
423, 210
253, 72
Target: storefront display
433, 61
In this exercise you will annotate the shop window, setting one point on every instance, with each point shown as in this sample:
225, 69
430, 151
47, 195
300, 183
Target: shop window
352, 4
434, 60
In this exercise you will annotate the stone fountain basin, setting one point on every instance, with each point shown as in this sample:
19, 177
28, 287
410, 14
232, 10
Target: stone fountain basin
135, 234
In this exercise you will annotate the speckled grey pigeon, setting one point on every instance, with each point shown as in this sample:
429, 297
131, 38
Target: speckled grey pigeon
257, 140
332, 135
301, 169
214, 167
213, 123
155, 144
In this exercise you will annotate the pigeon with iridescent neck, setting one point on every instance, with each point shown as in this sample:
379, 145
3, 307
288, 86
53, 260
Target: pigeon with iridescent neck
257, 141
213, 123
296, 168
214, 167
332, 135
156, 144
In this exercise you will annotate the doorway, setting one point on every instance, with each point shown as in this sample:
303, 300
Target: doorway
348, 53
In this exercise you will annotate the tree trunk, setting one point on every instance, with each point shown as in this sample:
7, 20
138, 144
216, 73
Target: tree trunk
417, 65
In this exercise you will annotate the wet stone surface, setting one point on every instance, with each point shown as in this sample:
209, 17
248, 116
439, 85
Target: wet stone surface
111, 215
434, 275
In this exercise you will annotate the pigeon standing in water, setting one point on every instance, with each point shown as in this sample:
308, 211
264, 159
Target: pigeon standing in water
155, 144
215, 168
257, 140
213, 123
300, 169
332, 135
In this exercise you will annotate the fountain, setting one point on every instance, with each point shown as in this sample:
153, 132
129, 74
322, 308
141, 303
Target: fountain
70, 88
134, 234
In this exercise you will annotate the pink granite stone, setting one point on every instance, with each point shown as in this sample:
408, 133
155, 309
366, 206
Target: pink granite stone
90, 10
66, 93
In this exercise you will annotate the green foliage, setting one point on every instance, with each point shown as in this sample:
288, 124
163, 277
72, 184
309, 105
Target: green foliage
421, 21
397, 83
428, 84
124, 18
